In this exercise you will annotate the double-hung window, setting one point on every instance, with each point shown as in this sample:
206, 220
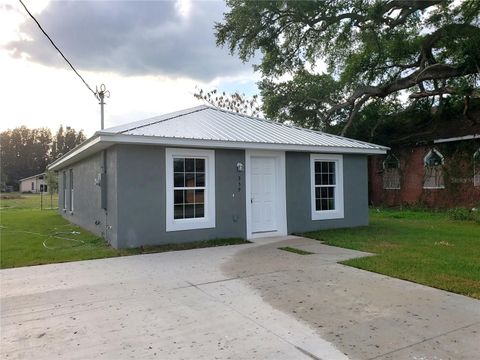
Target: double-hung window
326, 186
190, 189
64, 187
71, 189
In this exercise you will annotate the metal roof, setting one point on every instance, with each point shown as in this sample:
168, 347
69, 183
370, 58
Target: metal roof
208, 127
213, 124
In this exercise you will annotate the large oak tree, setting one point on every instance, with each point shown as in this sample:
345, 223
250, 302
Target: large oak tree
325, 62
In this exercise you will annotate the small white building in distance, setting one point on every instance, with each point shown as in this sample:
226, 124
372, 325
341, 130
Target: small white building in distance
34, 184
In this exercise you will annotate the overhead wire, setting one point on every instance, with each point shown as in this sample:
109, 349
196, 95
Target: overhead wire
59, 51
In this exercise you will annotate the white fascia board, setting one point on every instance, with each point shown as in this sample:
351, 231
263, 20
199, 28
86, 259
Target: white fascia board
31, 177
102, 140
89, 147
155, 140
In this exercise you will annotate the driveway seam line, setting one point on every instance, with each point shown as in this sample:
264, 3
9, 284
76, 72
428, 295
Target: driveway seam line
305, 352
424, 340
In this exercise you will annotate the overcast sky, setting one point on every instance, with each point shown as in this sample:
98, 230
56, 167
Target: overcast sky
150, 54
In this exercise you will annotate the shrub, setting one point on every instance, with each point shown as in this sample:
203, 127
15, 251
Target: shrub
463, 214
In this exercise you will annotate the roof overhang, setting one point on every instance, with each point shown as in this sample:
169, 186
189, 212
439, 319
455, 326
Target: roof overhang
101, 141
33, 176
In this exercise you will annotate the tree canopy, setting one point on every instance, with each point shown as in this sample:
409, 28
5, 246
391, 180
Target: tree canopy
25, 152
323, 63
236, 102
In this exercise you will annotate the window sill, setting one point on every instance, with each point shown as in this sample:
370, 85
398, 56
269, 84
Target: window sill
189, 224
327, 215
434, 188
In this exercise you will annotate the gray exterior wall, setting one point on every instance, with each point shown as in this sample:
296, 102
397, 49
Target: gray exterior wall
136, 206
87, 210
141, 198
355, 186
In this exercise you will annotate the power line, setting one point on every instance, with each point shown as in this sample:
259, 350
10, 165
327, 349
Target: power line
56, 47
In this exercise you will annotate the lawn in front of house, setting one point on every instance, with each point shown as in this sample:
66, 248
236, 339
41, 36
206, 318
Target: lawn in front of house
30, 236
425, 247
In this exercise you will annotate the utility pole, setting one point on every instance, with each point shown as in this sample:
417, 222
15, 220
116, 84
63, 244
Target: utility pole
101, 95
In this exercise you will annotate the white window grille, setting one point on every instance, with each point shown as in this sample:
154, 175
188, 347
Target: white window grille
391, 173
433, 163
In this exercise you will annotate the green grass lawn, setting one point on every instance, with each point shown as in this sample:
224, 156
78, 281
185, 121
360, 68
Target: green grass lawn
30, 236
419, 246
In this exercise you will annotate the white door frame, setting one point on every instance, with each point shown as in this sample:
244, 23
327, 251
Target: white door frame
281, 198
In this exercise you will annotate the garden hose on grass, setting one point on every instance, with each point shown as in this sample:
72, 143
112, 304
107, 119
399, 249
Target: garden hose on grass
55, 235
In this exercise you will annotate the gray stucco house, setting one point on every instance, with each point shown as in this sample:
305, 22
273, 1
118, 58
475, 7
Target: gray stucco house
206, 173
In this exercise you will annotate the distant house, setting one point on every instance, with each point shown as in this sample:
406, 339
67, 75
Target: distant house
206, 173
437, 168
34, 184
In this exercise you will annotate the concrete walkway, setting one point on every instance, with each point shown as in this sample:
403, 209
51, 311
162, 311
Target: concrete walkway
237, 302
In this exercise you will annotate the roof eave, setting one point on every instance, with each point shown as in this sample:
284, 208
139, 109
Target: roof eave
33, 176
102, 140
88, 147
156, 140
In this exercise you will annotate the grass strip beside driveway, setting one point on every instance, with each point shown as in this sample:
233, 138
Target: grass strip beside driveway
425, 247
30, 236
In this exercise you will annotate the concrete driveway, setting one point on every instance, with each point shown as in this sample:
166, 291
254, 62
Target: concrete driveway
237, 302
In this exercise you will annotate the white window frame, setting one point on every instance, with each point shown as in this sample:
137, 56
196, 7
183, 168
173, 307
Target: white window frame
70, 185
208, 221
338, 213
64, 183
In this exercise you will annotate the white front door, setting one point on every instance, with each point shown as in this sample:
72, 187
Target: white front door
263, 195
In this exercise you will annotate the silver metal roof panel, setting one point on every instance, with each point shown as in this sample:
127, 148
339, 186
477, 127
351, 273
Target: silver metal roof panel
212, 124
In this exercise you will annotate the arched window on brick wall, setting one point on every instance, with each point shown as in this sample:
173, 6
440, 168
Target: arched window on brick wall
391, 172
433, 163
476, 168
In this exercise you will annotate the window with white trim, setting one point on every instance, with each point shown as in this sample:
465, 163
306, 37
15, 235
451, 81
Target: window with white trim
190, 189
391, 173
476, 168
64, 186
71, 189
327, 186
433, 163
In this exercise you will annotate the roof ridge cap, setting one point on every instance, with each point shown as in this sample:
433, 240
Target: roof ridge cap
184, 112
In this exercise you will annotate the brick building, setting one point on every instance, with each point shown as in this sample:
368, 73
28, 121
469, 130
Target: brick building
440, 169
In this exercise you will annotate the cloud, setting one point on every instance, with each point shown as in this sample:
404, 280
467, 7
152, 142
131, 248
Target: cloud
174, 39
